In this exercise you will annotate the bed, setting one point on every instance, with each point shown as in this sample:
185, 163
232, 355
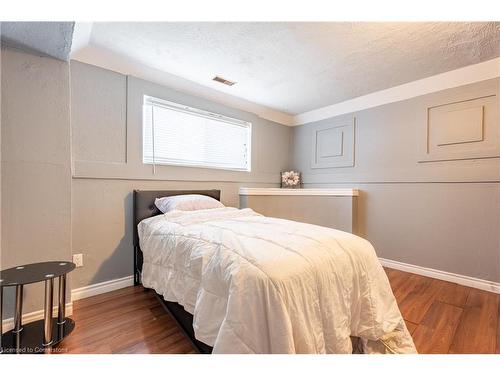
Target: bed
144, 207
238, 282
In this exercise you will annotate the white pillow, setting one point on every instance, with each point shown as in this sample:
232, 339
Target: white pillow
188, 202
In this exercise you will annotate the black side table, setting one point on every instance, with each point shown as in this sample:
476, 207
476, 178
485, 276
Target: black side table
36, 337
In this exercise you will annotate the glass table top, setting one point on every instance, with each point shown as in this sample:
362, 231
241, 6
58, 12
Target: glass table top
35, 272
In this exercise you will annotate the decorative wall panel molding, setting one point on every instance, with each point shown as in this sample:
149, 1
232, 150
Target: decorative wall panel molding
467, 129
333, 145
455, 126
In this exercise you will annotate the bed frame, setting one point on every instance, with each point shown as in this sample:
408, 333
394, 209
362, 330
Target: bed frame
144, 207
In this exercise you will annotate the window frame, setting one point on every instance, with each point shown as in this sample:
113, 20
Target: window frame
153, 101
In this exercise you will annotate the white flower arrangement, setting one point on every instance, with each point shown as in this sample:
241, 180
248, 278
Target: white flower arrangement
290, 179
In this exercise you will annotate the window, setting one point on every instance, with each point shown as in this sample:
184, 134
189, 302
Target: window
178, 135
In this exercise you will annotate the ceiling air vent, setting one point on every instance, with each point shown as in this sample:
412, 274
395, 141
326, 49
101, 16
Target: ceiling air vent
223, 80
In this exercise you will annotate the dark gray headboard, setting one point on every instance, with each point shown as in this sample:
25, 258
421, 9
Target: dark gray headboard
144, 207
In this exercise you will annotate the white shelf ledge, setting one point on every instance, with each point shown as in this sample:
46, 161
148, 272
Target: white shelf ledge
278, 191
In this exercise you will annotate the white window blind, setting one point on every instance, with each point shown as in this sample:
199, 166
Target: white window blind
180, 135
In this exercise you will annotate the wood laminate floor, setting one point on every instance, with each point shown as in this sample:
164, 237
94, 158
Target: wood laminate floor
442, 317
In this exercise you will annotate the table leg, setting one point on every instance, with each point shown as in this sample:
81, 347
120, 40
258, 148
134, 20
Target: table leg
18, 314
47, 312
61, 310
1, 319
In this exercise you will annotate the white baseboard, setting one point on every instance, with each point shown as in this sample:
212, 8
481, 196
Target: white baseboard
472, 282
76, 294
111, 285
99, 288
8, 324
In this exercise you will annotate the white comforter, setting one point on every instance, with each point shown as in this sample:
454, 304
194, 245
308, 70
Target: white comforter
257, 284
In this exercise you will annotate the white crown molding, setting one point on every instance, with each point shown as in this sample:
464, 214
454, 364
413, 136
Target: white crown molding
454, 78
472, 282
8, 324
99, 288
310, 192
103, 58
81, 36
82, 50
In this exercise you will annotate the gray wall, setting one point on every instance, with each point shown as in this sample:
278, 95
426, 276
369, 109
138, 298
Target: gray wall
106, 118
443, 215
1, 53
36, 168
339, 212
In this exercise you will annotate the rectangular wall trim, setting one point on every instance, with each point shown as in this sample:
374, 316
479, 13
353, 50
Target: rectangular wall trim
117, 152
461, 129
333, 144
472, 282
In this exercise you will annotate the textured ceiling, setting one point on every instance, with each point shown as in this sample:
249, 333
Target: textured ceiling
44, 38
297, 67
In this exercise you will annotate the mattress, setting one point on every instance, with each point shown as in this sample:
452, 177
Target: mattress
257, 284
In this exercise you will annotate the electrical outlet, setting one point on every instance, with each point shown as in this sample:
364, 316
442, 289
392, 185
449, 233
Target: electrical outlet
78, 260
